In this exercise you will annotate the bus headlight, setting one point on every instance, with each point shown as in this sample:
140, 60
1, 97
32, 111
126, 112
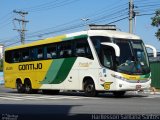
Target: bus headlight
119, 77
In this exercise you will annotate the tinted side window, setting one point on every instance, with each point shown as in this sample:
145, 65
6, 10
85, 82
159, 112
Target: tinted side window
65, 49
70, 48
51, 51
40, 53
97, 40
82, 49
8, 56
33, 53
25, 54
16, 56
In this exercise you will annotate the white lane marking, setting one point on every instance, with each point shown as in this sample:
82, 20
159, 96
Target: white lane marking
24, 97
8, 98
153, 96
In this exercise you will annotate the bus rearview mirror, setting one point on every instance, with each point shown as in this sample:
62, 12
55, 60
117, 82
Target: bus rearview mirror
114, 46
153, 49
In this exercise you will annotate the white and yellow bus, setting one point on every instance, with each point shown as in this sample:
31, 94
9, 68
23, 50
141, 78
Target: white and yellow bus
92, 61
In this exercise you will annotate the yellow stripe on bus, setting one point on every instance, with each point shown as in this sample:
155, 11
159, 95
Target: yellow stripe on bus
131, 77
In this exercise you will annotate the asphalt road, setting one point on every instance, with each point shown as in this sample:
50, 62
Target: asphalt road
70, 105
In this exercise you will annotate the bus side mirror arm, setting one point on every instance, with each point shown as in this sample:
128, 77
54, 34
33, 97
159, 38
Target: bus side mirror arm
115, 47
153, 49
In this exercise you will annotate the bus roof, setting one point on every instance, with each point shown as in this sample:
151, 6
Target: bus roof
108, 33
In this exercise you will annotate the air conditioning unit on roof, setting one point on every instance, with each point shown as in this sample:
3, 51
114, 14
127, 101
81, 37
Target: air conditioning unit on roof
102, 27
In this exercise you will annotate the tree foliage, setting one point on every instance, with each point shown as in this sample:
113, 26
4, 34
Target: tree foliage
156, 23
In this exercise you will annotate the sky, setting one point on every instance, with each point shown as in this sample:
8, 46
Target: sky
48, 18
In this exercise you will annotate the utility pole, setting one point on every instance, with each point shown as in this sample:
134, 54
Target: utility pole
131, 16
22, 22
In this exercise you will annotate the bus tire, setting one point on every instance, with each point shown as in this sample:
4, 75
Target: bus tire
28, 87
119, 93
19, 86
89, 88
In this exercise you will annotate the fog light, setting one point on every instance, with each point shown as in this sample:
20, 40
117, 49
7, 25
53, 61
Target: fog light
120, 85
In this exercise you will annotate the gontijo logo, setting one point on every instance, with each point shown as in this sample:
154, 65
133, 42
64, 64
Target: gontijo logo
30, 66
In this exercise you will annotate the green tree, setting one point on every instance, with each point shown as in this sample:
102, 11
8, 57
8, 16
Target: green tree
156, 23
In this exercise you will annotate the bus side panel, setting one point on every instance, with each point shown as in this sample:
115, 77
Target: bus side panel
80, 69
34, 71
10, 75
87, 68
58, 73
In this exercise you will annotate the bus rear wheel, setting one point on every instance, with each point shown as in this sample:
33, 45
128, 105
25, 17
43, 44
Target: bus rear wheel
89, 89
20, 87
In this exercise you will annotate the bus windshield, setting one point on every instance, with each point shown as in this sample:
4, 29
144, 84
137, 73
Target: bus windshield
133, 57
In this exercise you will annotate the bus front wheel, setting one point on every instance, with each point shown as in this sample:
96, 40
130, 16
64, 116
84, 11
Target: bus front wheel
89, 89
28, 87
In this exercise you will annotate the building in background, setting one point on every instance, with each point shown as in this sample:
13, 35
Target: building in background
1, 51
152, 59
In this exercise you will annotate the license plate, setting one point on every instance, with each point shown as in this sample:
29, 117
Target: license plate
138, 87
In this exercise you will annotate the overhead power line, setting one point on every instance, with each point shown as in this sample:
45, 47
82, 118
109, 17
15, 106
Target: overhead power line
5, 16
145, 14
117, 20
110, 16
50, 5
